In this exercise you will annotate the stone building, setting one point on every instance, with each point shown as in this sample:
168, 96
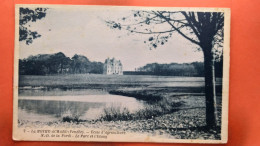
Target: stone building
113, 66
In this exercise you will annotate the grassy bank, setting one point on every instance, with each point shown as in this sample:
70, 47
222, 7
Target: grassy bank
150, 111
139, 94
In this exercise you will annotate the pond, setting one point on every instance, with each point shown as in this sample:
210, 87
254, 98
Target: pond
49, 107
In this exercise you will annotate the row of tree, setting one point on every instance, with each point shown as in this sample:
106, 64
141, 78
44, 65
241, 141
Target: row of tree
173, 69
44, 64
176, 69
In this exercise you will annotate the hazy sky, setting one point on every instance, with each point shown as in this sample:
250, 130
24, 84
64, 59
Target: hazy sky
83, 31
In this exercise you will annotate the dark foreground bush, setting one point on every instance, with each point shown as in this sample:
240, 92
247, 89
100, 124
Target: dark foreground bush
115, 113
71, 119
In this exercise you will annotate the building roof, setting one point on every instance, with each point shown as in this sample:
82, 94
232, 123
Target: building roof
113, 60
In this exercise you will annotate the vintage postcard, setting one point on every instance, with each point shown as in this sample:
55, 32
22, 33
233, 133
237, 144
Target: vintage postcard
121, 74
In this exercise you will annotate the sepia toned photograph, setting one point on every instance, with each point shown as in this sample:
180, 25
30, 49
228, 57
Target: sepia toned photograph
121, 74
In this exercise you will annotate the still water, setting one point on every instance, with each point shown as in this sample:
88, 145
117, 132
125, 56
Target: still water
46, 108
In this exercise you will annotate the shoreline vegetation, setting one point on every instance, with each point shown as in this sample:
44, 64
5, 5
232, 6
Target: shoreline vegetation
175, 111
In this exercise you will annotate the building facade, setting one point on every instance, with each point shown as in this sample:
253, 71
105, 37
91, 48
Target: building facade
113, 67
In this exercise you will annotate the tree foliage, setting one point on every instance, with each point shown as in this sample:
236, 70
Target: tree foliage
29, 15
194, 69
44, 64
172, 69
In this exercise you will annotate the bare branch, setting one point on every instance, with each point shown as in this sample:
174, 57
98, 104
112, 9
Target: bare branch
115, 25
151, 32
140, 22
192, 23
190, 39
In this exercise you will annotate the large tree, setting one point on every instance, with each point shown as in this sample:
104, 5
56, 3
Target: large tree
204, 29
27, 15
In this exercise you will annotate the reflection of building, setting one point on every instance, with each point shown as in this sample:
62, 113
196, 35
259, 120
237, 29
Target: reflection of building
113, 66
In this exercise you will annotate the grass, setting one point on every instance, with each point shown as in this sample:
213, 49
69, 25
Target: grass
164, 106
115, 113
91, 79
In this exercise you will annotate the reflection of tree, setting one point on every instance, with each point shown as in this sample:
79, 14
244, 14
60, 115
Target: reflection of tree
204, 29
29, 15
56, 108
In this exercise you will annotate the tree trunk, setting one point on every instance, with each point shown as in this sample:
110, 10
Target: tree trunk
210, 90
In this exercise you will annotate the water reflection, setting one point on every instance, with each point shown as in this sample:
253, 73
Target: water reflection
53, 108
57, 108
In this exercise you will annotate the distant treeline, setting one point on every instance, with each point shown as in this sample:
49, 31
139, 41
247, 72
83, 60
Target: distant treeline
175, 69
44, 64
